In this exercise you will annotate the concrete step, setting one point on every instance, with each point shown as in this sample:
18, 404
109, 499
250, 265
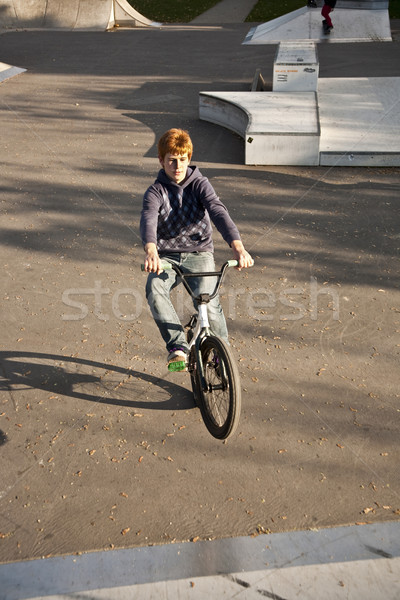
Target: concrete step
348, 122
278, 128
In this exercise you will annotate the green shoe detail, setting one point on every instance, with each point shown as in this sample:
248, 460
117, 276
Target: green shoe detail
177, 365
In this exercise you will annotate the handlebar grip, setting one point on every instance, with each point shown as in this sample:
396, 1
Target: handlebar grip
165, 265
232, 263
235, 263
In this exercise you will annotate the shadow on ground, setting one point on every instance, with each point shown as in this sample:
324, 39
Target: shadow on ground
34, 370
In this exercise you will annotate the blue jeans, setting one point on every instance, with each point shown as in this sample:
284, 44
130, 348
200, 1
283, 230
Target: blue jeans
158, 290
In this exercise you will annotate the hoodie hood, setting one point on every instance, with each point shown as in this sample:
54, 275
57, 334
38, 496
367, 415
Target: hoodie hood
192, 173
177, 217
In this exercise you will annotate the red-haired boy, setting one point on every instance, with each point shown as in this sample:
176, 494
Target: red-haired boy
175, 225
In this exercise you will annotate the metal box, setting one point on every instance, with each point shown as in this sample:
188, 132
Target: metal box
296, 67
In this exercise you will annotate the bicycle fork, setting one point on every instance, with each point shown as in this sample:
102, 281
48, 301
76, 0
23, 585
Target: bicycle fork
201, 330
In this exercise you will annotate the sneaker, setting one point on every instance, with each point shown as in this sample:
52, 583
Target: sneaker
177, 360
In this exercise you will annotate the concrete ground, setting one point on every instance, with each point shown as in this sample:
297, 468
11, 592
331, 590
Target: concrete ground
101, 447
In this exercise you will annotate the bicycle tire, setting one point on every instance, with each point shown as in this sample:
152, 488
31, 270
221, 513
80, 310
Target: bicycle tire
220, 404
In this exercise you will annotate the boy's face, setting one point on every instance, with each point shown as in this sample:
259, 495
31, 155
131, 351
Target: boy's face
175, 166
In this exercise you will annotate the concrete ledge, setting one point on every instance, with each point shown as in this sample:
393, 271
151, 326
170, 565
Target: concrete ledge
360, 159
302, 564
350, 122
278, 128
221, 110
360, 121
8, 71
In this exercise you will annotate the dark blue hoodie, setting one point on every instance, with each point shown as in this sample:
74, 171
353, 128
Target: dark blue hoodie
177, 217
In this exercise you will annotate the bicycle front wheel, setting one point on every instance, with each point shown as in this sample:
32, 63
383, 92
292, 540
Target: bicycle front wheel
220, 402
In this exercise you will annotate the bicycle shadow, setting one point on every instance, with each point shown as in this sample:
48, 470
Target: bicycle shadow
20, 371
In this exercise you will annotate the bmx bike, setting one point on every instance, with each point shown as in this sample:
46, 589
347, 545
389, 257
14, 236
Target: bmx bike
212, 367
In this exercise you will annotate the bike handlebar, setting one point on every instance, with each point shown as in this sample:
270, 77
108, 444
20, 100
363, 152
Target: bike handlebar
168, 266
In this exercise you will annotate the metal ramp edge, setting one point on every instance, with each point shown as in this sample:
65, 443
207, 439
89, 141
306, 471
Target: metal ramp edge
260, 31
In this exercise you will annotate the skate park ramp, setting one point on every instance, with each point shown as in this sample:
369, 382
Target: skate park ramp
83, 15
350, 25
8, 71
366, 134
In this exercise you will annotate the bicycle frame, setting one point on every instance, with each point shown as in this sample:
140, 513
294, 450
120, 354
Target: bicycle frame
202, 327
201, 330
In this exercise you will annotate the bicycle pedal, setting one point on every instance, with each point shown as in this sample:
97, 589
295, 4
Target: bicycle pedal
177, 365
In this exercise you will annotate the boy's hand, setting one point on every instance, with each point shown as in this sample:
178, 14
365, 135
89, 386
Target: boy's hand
152, 262
242, 256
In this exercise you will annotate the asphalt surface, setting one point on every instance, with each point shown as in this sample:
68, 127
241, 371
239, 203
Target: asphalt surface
101, 447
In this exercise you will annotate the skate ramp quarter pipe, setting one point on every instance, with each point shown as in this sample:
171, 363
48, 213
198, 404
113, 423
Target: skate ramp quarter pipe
96, 15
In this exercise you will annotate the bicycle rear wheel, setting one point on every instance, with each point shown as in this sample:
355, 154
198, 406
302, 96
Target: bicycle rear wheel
220, 403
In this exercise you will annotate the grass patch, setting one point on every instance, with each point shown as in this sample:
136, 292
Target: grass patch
265, 10
394, 9
183, 11
173, 11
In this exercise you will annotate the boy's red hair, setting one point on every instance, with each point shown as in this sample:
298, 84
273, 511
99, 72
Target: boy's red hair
175, 141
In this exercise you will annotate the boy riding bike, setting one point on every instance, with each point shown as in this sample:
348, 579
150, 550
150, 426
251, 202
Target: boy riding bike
175, 225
